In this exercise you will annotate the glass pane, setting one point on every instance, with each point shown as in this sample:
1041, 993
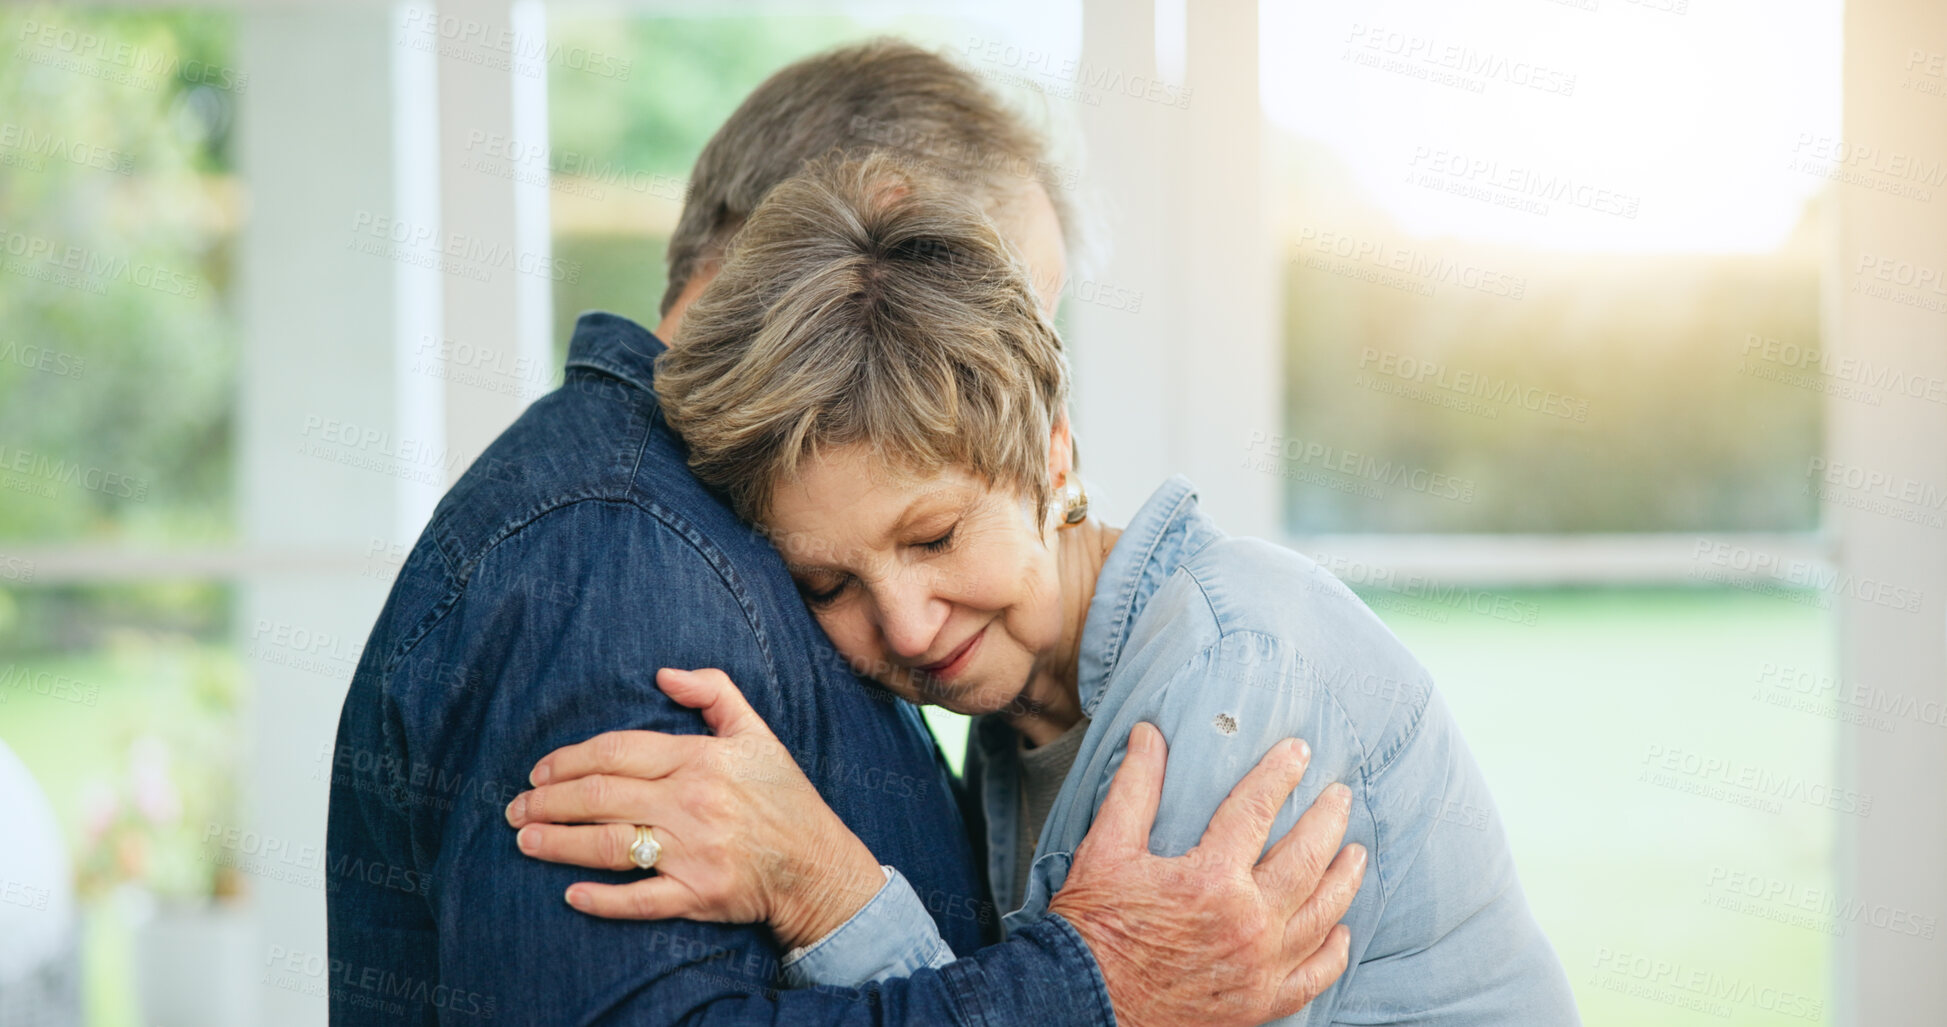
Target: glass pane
117, 350
1533, 286
124, 704
119, 210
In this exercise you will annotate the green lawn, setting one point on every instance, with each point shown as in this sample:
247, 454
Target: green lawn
1561, 714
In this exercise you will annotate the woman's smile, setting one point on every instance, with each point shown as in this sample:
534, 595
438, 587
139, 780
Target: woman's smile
953, 663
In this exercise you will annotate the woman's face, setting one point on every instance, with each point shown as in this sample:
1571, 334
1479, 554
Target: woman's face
942, 588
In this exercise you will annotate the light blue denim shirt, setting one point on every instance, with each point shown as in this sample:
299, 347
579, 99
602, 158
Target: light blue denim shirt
1229, 645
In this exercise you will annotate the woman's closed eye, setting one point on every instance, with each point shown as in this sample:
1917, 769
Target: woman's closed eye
825, 596
829, 587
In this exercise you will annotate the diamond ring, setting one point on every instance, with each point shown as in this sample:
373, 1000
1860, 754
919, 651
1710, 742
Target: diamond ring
646, 849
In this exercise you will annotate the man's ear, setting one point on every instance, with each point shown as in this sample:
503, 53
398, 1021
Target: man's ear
672, 323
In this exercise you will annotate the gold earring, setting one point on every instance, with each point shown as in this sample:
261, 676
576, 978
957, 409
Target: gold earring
1074, 504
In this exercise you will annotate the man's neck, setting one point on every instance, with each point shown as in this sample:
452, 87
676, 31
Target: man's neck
673, 320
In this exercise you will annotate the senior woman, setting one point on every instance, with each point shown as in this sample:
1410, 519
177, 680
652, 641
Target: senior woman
871, 382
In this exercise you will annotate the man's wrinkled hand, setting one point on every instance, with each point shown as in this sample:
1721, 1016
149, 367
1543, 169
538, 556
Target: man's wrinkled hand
1216, 936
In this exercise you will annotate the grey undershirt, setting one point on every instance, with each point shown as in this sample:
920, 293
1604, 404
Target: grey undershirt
1043, 769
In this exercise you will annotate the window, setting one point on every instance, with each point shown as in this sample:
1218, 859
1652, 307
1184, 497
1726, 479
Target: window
1532, 290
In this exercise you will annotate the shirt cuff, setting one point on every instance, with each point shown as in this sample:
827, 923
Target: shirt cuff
890, 936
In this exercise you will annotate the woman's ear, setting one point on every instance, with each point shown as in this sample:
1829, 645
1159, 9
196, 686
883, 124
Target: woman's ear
1061, 454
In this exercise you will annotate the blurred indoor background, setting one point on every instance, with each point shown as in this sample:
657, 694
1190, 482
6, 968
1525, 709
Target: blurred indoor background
1600, 344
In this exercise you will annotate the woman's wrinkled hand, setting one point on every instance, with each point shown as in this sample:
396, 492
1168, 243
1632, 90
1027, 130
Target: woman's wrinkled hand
745, 837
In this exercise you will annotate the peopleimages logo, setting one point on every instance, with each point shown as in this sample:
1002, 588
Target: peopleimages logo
454, 253
1417, 270
80, 267
457, 34
1466, 67
1729, 563
1733, 780
1084, 74
1823, 907
34, 146
1530, 189
1852, 370
143, 64
40, 468
1687, 985
1268, 449
1506, 392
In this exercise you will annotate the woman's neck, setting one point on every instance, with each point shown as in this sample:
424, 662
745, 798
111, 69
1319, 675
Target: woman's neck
1051, 703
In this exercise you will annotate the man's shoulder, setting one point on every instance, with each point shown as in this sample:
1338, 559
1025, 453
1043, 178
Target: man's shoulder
587, 487
595, 440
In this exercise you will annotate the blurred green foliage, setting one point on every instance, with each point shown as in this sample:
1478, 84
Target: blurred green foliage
124, 701
119, 206
117, 214
622, 274
685, 76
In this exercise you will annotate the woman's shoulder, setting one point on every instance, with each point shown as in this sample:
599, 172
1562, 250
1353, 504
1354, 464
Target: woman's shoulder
1259, 628
1251, 586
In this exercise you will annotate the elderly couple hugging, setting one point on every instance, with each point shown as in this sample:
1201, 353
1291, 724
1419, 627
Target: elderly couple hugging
837, 481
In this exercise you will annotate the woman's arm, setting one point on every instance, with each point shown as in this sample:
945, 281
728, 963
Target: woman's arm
745, 838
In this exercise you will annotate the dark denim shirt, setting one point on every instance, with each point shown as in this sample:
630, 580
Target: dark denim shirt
571, 561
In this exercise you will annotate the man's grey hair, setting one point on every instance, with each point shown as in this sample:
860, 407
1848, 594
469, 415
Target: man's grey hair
886, 94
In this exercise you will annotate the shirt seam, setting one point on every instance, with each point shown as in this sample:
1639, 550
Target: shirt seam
1225, 632
648, 436
1406, 736
460, 581
1126, 591
1367, 774
1372, 783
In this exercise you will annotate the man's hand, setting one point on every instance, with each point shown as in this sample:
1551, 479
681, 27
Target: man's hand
1216, 936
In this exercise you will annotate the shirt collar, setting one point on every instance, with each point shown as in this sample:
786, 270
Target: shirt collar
1168, 528
1165, 531
617, 346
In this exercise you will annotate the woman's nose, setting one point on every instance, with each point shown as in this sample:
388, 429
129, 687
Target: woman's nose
910, 617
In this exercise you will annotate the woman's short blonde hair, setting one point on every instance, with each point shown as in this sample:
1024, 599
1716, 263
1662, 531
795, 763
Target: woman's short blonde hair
866, 302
